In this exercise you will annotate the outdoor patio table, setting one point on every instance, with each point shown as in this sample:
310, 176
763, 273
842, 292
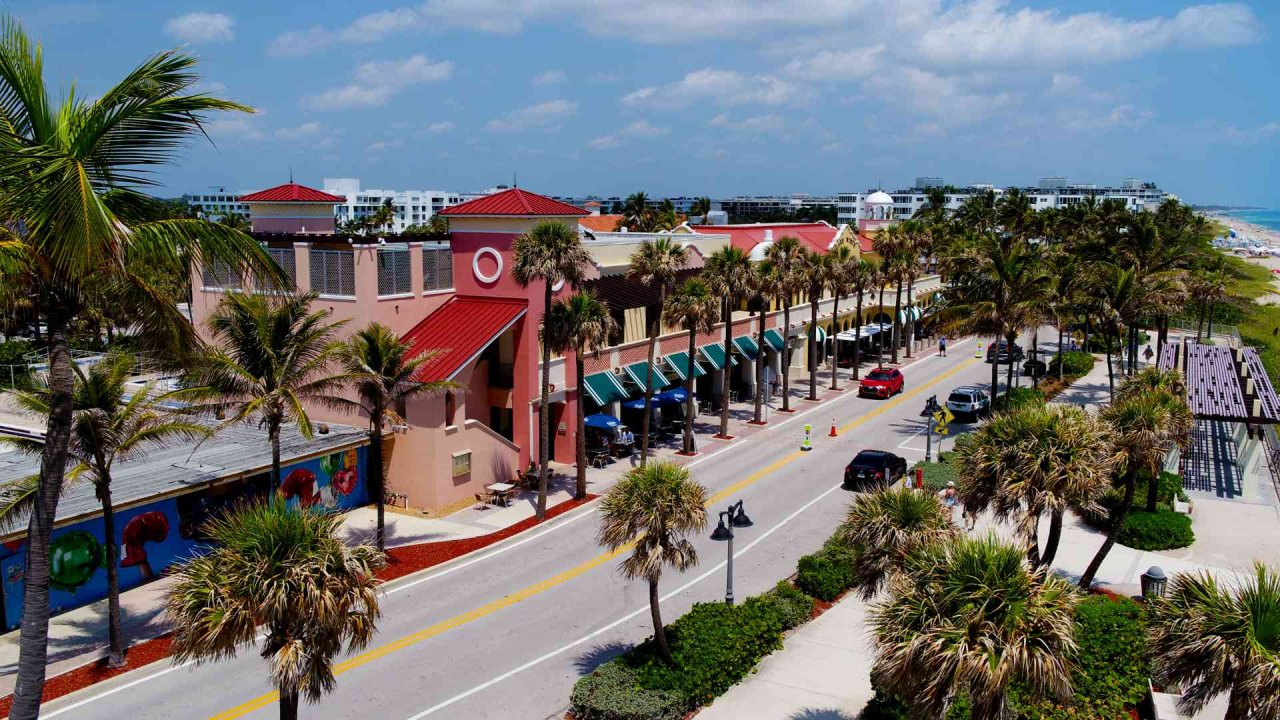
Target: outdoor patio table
502, 491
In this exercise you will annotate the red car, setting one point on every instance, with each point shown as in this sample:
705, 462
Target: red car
881, 383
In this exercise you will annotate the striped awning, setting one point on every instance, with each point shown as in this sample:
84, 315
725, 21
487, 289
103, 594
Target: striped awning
679, 363
819, 334
714, 355
604, 388
774, 338
911, 313
638, 374
747, 346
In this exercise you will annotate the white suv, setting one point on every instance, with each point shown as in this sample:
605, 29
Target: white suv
967, 401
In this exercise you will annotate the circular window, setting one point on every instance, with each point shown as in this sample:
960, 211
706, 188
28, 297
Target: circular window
487, 252
559, 284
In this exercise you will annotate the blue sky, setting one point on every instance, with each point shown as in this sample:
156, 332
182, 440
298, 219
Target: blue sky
715, 97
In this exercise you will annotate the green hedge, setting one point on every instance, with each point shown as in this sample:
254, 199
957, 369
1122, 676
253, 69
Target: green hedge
613, 692
827, 573
1020, 397
789, 602
1163, 529
1076, 362
937, 474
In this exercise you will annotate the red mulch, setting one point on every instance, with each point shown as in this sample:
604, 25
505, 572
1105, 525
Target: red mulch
401, 561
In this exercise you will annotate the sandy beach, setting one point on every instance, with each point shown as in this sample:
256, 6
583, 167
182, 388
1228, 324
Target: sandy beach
1264, 235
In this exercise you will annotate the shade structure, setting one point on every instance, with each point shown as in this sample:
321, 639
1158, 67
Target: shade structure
774, 338
714, 355
747, 346
601, 421
674, 396
911, 313
638, 403
604, 388
819, 334
639, 375
679, 363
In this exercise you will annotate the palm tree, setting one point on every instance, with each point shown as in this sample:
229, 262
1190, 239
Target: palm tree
655, 263
270, 358
1031, 461
785, 254
1144, 428
575, 324
1123, 296
652, 509
701, 207
970, 617
862, 277
916, 244
841, 262
886, 526
384, 377
381, 218
1210, 638
765, 283
106, 428
696, 308
636, 215
235, 221
891, 244
551, 252
72, 214
728, 271
814, 269
1209, 286
1152, 380
286, 572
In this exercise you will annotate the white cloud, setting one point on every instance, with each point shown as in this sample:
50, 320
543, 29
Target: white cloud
547, 115
550, 77
1062, 83
235, 127
1245, 136
640, 129
374, 83
201, 27
756, 123
856, 64
383, 145
726, 87
437, 128
303, 131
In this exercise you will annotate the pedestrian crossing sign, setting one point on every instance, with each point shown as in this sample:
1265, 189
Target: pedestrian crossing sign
943, 416
942, 430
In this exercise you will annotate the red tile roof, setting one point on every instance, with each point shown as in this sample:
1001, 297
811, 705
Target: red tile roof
600, 223
815, 237
866, 243
458, 331
514, 202
292, 192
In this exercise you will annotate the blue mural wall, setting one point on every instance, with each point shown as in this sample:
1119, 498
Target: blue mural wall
153, 536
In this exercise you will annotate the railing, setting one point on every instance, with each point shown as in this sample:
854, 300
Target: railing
1273, 455
1230, 332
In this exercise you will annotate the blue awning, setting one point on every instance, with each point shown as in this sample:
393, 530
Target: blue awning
636, 403
601, 421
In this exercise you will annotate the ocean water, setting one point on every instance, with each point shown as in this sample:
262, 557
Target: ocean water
1269, 219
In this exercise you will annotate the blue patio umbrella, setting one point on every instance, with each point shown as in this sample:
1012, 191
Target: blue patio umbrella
674, 396
601, 421
635, 403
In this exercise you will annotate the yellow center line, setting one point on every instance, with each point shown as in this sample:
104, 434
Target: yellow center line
564, 577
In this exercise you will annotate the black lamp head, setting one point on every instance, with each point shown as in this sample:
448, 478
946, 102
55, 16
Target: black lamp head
721, 532
740, 519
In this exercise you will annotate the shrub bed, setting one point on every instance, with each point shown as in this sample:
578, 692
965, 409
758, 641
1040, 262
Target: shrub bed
613, 692
826, 573
936, 475
791, 604
1076, 363
1019, 398
1163, 529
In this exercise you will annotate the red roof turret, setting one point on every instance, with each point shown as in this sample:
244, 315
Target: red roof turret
514, 202
292, 192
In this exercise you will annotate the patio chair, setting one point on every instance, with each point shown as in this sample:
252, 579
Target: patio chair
482, 502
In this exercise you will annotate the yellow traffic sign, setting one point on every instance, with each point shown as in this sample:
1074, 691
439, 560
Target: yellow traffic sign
943, 416
942, 430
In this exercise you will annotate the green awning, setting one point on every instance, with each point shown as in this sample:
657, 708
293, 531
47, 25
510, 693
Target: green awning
819, 334
774, 338
714, 355
747, 346
638, 374
604, 388
679, 362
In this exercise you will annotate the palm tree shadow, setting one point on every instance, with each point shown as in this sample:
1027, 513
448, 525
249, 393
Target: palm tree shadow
820, 714
587, 662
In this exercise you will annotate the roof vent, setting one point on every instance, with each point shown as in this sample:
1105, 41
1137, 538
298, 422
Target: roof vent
622, 229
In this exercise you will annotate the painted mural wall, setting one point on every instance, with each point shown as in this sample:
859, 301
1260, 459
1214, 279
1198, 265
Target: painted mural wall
154, 536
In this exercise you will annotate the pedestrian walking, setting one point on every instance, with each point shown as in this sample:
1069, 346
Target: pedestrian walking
942, 345
1146, 354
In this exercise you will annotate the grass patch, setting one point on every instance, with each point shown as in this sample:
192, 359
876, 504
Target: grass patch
1248, 280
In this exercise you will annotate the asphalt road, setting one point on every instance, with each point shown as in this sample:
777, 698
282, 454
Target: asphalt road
505, 633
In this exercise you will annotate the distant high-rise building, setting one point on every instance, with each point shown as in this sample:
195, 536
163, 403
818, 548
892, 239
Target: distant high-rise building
412, 207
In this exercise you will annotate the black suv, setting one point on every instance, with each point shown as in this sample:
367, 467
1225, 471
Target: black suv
873, 469
1001, 354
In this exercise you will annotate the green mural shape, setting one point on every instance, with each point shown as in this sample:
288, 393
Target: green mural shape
73, 559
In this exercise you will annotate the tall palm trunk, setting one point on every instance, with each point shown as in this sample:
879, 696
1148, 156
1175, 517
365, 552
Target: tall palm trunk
1061, 362
1035, 345
1111, 378
759, 367
835, 342
1212, 308
897, 323
728, 368
115, 639
995, 376
689, 411
33, 642
813, 345
580, 449
544, 414
273, 434
377, 478
1200, 324
1153, 491
857, 338
880, 335
1087, 326
659, 632
786, 355
1117, 519
910, 331
1008, 378
1051, 542
1237, 704
289, 702
648, 380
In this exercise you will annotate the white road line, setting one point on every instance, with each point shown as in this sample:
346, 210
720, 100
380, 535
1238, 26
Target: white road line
114, 690
585, 638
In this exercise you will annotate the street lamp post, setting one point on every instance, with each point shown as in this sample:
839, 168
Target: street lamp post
737, 519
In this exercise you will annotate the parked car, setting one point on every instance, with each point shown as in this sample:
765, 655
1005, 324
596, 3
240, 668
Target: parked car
968, 401
872, 469
1000, 353
881, 383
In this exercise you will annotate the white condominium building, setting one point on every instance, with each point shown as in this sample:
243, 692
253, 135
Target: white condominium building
1051, 192
216, 203
412, 207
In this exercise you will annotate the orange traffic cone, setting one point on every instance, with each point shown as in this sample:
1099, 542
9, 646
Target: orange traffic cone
833, 428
